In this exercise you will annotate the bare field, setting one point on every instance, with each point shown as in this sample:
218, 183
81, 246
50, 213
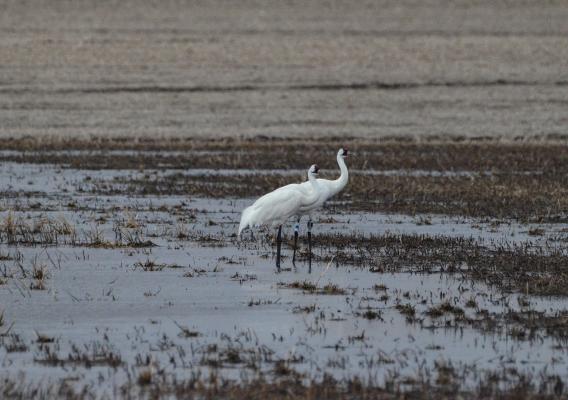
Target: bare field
301, 69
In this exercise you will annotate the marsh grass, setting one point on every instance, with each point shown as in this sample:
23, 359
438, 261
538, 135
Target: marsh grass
407, 309
45, 231
428, 153
286, 383
312, 288
371, 315
471, 303
42, 338
39, 231
88, 355
185, 332
39, 275
443, 309
5, 256
305, 309
513, 266
149, 265
333, 289
524, 181
5, 331
13, 343
130, 234
94, 238
145, 377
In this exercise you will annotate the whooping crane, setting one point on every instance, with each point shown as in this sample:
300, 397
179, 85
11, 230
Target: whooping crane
326, 189
275, 208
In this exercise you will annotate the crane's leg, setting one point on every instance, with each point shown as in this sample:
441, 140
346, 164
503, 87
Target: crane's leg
278, 244
310, 226
296, 232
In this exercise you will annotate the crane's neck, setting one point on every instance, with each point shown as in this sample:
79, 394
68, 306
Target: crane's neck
313, 180
314, 195
338, 184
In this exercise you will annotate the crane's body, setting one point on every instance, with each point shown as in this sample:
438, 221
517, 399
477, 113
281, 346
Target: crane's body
275, 208
294, 200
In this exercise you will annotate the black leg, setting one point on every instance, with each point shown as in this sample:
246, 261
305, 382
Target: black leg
278, 243
310, 225
296, 229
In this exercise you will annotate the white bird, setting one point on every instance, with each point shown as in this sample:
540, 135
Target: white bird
275, 208
326, 189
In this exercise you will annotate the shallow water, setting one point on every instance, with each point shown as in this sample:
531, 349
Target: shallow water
227, 291
233, 300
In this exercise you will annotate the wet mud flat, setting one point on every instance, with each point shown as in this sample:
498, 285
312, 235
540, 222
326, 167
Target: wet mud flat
121, 273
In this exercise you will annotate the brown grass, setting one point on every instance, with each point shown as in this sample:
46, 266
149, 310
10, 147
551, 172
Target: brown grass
521, 180
508, 266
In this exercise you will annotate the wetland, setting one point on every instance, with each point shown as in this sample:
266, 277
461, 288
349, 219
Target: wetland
441, 268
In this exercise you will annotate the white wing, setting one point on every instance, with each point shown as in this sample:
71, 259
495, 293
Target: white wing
274, 208
323, 195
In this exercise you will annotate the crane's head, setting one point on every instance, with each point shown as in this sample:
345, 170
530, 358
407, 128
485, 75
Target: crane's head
314, 169
343, 152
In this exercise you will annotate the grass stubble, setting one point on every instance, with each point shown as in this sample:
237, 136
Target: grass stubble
523, 180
